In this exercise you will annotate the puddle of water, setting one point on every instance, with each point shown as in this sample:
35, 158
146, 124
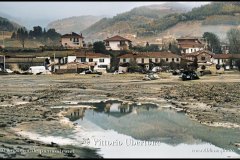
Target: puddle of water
133, 128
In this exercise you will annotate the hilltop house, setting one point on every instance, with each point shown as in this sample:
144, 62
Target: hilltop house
117, 43
72, 40
144, 59
190, 44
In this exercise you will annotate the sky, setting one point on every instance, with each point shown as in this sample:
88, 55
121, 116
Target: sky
45, 12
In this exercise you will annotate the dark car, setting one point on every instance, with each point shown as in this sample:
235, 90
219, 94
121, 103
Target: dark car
189, 75
93, 72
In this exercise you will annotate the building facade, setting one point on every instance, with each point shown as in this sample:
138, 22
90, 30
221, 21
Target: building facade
190, 44
144, 59
117, 43
72, 40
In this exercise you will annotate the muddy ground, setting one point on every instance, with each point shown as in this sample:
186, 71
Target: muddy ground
26, 99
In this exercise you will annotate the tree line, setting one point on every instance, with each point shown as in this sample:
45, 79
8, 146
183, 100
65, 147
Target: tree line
49, 36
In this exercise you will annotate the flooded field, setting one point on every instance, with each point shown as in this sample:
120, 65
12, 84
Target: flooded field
136, 130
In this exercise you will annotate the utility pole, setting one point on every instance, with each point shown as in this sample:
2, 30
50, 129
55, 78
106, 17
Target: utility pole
4, 63
54, 62
3, 38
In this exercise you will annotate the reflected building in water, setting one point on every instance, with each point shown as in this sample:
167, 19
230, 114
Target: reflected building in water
112, 108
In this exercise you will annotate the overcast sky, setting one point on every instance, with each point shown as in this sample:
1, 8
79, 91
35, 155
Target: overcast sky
57, 10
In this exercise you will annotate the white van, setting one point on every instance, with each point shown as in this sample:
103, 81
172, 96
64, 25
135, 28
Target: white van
36, 69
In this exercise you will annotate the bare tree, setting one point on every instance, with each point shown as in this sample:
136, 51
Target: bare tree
233, 36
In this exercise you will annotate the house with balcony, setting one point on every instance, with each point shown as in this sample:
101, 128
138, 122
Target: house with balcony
72, 40
191, 44
117, 43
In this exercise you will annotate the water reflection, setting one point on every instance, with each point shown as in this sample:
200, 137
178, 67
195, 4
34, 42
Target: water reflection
118, 108
150, 122
75, 113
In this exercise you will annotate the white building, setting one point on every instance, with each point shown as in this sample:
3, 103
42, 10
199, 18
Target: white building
95, 61
101, 60
73, 40
117, 43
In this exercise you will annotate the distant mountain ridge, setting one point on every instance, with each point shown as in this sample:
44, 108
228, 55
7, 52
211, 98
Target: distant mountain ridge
7, 25
73, 24
134, 21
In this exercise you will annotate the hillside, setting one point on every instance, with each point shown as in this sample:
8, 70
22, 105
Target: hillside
133, 21
6, 25
145, 25
73, 24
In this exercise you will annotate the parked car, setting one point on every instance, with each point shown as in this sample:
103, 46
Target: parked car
176, 72
35, 70
91, 72
189, 75
151, 76
118, 72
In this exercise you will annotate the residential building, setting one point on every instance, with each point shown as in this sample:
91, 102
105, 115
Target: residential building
101, 60
224, 47
74, 60
72, 40
224, 59
203, 56
117, 43
145, 58
191, 44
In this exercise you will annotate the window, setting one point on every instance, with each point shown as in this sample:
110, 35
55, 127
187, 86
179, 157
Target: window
167, 59
150, 60
203, 58
177, 59
65, 44
156, 60
90, 60
83, 59
107, 43
172, 59
124, 60
101, 60
142, 60
70, 39
191, 50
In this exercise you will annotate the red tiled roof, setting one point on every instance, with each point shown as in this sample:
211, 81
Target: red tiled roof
92, 55
188, 37
226, 56
72, 35
117, 38
150, 55
193, 54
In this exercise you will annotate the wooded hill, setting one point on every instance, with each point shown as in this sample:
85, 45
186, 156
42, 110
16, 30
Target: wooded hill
145, 21
6, 25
